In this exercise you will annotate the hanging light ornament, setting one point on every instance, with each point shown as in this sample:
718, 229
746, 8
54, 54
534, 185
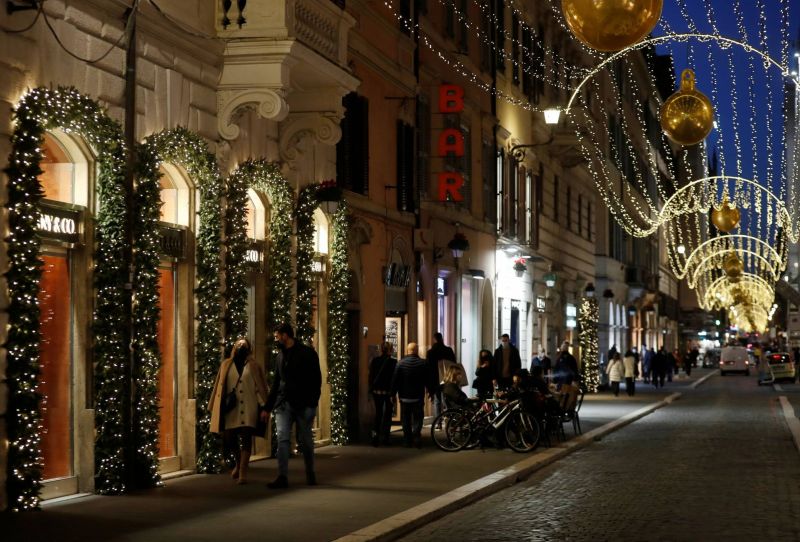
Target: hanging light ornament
611, 25
733, 267
687, 116
727, 217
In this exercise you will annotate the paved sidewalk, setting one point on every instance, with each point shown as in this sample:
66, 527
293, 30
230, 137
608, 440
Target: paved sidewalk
359, 485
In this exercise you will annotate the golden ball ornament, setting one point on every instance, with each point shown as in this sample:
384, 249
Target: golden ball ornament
611, 25
726, 218
687, 116
733, 266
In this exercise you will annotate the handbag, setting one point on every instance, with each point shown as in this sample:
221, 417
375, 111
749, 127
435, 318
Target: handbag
229, 400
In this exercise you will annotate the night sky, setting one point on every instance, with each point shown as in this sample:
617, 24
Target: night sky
733, 85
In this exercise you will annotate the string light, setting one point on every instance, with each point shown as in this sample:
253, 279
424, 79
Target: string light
304, 224
338, 345
588, 320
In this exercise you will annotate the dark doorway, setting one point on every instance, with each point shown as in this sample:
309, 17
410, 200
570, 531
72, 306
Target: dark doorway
514, 332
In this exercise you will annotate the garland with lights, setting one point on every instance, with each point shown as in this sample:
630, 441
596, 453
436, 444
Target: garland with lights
39, 110
304, 223
588, 317
187, 149
338, 355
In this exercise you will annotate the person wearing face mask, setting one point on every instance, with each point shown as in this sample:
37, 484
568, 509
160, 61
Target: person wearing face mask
506, 362
239, 393
294, 398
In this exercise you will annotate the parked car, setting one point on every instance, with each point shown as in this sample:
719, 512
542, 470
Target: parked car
782, 366
734, 359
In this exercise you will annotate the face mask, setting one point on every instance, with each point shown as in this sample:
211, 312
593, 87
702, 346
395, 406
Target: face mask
241, 354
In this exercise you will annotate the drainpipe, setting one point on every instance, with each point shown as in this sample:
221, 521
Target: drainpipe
128, 186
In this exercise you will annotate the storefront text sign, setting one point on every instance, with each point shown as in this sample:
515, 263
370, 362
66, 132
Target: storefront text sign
59, 223
172, 240
451, 142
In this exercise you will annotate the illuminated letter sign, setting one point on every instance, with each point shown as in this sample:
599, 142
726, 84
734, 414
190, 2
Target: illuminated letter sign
451, 142
59, 222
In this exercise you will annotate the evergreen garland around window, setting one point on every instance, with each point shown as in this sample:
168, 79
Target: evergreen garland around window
187, 149
304, 222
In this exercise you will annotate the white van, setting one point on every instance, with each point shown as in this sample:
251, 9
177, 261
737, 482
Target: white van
734, 359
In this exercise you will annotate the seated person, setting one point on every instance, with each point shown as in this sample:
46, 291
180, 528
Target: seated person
451, 391
484, 376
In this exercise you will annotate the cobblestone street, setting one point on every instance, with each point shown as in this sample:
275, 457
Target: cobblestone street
719, 464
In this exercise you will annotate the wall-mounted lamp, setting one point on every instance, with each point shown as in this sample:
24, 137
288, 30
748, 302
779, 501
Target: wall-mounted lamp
549, 279
631, 310
608, 293
589, 290
477, 274
458, 245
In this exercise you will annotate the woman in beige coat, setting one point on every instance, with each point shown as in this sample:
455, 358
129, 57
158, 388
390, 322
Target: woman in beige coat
242, 376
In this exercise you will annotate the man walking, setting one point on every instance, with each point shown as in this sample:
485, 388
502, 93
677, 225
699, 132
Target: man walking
411, 377
294, 397
506, 361
381, 371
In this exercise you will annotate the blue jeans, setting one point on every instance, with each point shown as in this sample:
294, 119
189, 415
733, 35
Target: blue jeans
285, 416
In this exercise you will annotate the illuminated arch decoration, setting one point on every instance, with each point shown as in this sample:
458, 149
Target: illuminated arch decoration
338, 337
304, 224
187, 149
39, 110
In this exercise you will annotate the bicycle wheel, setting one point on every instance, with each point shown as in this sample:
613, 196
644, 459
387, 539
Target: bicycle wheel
451, 430
522, 432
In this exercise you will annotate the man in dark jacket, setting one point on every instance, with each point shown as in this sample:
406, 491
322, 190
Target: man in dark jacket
294, 397
438, 356
566, 371
381, 371
411, 378
506, 362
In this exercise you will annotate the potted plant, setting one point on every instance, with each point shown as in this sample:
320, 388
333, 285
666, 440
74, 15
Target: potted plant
329, 195
519, 266
458, 244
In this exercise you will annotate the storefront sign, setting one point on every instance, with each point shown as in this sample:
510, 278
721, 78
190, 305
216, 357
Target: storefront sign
441, 286
540, 304
172, 240
451, 141
572, 313
254, 255
398, 275
56, 221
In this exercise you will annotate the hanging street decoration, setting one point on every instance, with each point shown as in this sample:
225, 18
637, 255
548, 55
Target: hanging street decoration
726, 217
611, 25
687, 116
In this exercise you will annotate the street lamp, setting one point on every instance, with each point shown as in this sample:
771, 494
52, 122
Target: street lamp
589, 291
551, 115
549, 279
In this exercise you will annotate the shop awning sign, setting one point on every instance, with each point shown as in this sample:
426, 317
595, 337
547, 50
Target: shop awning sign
60, 222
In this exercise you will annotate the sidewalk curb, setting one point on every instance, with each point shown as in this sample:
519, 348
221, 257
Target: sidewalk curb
404, 522
791, 420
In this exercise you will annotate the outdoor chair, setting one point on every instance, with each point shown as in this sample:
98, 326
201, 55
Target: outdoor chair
572, 414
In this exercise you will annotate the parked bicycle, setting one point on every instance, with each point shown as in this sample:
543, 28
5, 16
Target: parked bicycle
459, 428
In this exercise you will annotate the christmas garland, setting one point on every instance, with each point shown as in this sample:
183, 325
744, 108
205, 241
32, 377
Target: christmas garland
39, 110
338, 355
304, 224
263, 177
588, 317
187, 149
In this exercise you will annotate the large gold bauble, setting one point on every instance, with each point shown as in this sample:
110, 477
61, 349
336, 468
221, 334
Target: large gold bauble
611, 25
733, 266
726, 217
687, 116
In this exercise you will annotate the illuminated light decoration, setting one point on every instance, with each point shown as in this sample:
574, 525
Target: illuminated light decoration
307, 202
187, 149
264, 177
588, 319
338, 343
611, 25
733, 267
552, 115
37, 111
726, 217
687, 116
